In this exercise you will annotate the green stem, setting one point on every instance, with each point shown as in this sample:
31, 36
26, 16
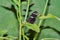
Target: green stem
26, 18
40, 22
35, 36
45, 7
19, 18
43, 13
8, 37
26, 37
4, 38
23, 34
27, 11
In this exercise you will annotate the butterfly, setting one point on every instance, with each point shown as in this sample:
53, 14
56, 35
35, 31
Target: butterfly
32, 17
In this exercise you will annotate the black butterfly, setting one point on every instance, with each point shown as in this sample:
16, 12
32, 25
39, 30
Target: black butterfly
32, 17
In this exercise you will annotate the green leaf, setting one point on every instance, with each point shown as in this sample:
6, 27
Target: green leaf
6, 3
38, 5
8, 22
49, 33
49, 16
54, 9
15, 2
34, 27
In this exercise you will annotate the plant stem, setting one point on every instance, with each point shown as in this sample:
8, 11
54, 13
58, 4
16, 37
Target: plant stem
23, 34
27, 11
43, 13
40, 22
35, 36
8, 37
19, 18
26, 37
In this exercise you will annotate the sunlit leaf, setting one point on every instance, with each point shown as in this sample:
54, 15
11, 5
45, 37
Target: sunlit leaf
34, 27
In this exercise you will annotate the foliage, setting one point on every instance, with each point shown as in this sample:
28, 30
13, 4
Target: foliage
14, 24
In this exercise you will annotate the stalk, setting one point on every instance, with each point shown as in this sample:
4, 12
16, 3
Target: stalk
41, 21
27, 11
19, 18
43, 13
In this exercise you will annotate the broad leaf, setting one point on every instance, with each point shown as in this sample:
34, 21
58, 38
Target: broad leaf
8, 22
48, 33
54, 9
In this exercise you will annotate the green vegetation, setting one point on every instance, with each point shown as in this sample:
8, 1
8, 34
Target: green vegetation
29, 19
